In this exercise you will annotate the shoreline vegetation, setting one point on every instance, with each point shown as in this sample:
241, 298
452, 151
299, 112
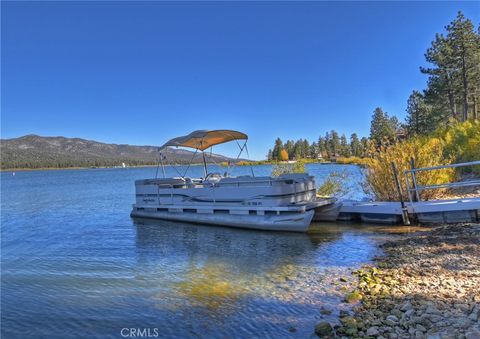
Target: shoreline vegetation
425, 285
223, 164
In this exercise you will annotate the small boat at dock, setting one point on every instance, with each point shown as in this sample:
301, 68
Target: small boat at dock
283, 203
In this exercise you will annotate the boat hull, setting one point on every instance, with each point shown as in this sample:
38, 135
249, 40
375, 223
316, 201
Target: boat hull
328, 212
294, 222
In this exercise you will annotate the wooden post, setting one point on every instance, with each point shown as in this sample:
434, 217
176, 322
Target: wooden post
406, 220
414, 179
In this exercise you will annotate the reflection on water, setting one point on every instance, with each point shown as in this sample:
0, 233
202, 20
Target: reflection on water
250, 280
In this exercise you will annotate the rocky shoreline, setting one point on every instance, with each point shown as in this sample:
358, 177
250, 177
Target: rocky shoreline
426, 285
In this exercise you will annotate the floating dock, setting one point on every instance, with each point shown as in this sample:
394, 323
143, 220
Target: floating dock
425, 212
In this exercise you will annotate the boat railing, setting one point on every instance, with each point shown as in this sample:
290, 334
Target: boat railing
214, 185
413, 189
233, 183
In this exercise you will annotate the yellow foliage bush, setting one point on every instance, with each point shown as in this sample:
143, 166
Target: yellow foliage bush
283, 155
454, 143
351, 161
427, 152
462, 142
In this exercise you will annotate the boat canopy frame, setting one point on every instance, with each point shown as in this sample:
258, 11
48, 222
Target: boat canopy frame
202, 140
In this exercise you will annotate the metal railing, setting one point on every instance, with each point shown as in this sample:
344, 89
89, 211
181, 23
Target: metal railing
414, 189
214, 185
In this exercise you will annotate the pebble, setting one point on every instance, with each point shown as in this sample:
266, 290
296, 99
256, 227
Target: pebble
325, 311
373, 331
425, 286
421, 328
392, 318
406, 306
410, 312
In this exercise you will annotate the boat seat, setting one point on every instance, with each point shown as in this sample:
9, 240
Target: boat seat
213, 177
161, 181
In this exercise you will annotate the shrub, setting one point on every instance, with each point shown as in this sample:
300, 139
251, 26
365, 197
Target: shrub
427, 151
351, 160
462, 143
333, 185
285, 168
283, 155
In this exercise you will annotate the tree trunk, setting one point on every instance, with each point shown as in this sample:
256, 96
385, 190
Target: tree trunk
451, 98
465, 85
475, 113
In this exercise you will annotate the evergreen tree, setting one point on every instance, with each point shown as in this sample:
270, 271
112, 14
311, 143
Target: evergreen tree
383, 128
313, 151
465, 46
355, 145
289, 147
365, 142
334, 144
277, 148
305, 148
441, 89
297, 149
328, 145
322, 147
344, 146
454, 79
419, 115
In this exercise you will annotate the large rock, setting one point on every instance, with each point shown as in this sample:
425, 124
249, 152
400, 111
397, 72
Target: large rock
323, 329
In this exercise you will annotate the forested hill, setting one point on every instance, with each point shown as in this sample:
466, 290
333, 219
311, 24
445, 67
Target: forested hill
33, 151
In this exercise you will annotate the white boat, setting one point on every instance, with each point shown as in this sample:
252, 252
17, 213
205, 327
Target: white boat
283, 203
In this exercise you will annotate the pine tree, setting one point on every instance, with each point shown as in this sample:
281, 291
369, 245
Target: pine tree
419, 115
334, 144
322, 148
344, 146
328, 145
454, 79
365, 142
355, 145
465, 45
305, 148
277, 148
297, 149
441, 83
383, 128
289, 147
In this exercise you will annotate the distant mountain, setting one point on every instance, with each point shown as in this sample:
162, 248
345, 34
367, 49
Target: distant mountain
33, 151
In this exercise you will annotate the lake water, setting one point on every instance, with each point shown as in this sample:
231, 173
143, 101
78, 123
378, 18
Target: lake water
74, 264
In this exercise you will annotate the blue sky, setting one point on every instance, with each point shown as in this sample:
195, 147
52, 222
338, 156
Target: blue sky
144, 72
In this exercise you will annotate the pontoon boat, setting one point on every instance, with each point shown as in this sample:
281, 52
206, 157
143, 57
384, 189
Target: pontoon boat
283, 203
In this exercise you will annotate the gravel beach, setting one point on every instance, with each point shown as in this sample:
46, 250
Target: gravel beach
426, 285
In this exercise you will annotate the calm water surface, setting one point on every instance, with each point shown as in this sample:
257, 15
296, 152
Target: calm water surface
74, 264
